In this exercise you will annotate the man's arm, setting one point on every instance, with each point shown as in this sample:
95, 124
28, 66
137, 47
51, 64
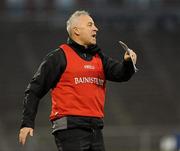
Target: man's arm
119, 71
44, 79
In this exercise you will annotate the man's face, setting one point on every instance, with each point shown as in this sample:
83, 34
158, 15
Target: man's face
86, 30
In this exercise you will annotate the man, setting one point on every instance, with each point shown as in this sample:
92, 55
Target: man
76, 73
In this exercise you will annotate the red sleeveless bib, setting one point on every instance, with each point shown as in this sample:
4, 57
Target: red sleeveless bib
81, 88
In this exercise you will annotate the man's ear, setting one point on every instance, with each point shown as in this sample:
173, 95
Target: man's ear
76, 31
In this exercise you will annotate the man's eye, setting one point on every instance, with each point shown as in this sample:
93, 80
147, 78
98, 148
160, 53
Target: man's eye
89, 24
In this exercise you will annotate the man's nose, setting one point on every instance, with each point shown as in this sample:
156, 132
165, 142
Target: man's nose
95, 28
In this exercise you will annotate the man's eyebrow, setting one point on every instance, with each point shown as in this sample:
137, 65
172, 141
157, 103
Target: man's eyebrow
90, 22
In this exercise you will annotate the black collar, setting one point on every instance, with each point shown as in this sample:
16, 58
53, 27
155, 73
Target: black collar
92, 49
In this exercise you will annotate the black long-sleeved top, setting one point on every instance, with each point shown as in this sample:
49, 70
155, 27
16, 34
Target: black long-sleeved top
53, 66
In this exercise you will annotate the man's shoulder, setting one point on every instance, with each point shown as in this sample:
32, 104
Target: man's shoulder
55, 53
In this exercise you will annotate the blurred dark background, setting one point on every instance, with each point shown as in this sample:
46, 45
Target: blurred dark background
139, 113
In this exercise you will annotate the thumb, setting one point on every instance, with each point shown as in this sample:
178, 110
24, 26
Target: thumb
31, 132
127, 56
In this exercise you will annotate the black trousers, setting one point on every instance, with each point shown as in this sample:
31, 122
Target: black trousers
79, 139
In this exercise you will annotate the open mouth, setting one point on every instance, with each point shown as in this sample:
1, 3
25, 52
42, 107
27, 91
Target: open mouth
94, 35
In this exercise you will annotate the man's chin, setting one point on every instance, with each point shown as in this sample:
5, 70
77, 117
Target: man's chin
93, 42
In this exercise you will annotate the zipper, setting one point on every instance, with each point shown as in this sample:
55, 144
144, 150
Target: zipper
85, 55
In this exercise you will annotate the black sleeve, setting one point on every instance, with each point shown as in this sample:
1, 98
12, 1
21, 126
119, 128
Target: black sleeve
44, 79
115, 70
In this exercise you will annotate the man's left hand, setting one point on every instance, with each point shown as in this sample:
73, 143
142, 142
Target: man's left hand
130, 55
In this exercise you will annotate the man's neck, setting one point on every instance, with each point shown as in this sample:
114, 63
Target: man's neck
79, 42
